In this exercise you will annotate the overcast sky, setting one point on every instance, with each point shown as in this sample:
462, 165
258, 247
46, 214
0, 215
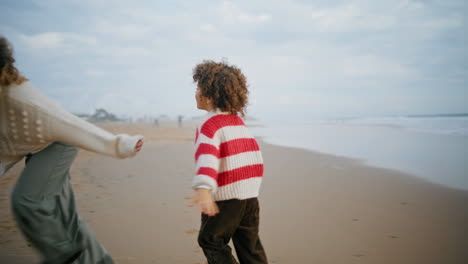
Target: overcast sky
302, 59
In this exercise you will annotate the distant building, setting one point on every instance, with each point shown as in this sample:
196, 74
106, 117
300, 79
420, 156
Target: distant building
101, 115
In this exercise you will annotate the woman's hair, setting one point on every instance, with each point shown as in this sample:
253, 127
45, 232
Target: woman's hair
8, 72
224, 84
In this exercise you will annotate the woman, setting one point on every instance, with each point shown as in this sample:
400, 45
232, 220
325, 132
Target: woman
35, 127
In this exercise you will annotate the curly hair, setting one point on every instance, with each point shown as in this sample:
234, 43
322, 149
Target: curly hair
224, 84
8, 72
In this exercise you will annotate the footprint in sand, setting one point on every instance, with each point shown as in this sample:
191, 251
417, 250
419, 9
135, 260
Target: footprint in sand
358, 255
191, 231
7, 225
86, 171
6, 241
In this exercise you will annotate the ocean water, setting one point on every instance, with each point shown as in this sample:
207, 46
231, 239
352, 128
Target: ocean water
431, 147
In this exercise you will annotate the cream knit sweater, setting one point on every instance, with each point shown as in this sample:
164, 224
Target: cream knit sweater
30, 121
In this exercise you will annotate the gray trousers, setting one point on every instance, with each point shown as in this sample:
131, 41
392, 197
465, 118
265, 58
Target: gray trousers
44, 207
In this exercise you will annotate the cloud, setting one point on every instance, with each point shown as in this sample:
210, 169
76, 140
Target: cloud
207, 28
127, 52
57, 40
350, 18
374, 66
233, 15
122, 30
97, 73
439, 24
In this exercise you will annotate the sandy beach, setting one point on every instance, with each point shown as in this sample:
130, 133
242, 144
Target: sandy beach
315, 208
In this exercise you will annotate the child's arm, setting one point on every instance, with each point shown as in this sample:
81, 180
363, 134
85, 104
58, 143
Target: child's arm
207, 159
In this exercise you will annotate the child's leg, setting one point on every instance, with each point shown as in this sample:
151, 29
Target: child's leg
216, 232
249, 249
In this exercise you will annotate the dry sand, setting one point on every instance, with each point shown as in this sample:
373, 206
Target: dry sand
315, 208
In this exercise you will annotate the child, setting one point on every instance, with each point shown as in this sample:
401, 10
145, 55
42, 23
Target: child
229, 167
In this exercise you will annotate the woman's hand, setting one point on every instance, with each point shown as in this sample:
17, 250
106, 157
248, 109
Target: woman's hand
138, 145
204, 200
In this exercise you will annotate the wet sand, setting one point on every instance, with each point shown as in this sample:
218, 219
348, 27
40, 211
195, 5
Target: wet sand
315, 208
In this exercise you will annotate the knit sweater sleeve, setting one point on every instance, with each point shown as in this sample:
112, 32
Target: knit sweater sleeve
65, 127
70, 129
207, 157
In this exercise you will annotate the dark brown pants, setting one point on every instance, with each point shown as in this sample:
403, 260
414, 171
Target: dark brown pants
239, 220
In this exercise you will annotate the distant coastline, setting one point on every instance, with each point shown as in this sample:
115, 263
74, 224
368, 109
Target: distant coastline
440, 115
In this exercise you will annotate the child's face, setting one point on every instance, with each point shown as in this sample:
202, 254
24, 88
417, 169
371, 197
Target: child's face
203, 102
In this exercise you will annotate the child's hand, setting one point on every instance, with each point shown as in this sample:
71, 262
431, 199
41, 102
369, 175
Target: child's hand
138, 145
205, 202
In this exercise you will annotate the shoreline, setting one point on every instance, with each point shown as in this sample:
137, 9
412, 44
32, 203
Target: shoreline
364, 163
434, 157
315, 208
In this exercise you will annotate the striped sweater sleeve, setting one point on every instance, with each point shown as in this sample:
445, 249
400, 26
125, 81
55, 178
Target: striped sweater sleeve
207, 159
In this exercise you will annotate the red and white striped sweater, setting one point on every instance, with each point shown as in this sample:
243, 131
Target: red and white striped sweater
227, 157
